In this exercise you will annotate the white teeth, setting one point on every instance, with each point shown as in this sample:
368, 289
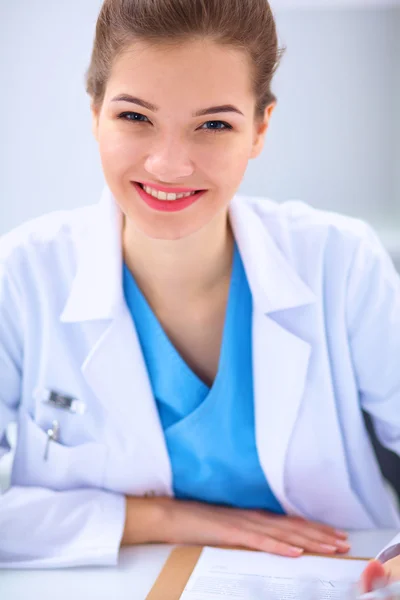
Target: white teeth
164, 195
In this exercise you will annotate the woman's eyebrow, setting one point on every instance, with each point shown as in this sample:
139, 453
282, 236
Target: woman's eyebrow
199, 113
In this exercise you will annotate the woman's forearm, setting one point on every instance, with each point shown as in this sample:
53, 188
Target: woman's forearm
144, 519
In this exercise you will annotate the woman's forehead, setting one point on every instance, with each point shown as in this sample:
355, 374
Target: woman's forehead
200, 69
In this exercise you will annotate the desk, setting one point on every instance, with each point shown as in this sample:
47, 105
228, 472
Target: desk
132, 579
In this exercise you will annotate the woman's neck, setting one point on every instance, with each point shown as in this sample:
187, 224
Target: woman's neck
181, 270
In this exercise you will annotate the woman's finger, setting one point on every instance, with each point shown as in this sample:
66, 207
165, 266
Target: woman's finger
286, 521
258, 541
272, 536
312, 539
320, 527
392, 569
300, 541
373, 575
318, 536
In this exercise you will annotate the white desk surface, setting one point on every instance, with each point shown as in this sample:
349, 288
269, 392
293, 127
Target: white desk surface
134, 576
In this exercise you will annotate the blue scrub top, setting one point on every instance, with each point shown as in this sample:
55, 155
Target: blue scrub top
209, 432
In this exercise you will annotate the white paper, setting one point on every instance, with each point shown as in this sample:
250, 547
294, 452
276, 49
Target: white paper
391, 550
246, 575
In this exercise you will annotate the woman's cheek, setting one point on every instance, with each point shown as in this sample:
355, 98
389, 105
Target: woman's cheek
119, 155
227, 163
235, 168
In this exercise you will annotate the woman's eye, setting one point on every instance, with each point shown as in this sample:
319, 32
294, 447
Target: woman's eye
217, 129
136, 116
215, 126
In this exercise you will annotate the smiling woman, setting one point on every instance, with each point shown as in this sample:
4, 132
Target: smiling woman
221, 348
178, 65
169, 143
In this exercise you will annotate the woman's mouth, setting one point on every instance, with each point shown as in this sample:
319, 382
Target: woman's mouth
167, 202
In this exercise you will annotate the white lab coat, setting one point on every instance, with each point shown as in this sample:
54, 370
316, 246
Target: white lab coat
326, 341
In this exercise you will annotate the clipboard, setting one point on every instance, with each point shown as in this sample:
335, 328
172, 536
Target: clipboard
179, 566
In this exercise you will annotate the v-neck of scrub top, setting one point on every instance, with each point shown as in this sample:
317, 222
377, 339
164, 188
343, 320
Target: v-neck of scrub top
209, 432
176, 387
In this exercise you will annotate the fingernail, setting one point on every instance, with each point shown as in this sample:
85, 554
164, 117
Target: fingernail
341, 534
295, 551
342, 545
327, 548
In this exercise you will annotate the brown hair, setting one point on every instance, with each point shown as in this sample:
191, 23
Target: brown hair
248, 25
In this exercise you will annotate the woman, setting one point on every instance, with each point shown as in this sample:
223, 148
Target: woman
188, 365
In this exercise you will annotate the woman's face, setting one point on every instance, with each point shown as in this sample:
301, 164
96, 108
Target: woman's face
167, 144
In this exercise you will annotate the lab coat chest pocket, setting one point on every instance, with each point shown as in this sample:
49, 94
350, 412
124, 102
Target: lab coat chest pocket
77, 424
62, 467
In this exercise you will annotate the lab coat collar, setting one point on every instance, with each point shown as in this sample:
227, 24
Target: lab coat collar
97, 291
274, 283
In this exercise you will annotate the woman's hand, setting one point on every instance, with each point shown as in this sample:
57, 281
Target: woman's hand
380, 574
173, 521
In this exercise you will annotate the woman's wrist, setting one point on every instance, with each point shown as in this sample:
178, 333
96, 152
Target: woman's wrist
144, 520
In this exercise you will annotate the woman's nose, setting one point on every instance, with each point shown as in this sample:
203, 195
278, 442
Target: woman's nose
169, 161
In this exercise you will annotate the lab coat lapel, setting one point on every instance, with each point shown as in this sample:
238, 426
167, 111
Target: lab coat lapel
280, 363
114, 366
116, 371
280, 358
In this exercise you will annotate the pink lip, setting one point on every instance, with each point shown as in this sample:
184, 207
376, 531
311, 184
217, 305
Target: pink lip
171, 190
167, 205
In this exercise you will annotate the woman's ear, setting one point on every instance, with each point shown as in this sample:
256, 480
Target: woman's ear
261, 128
